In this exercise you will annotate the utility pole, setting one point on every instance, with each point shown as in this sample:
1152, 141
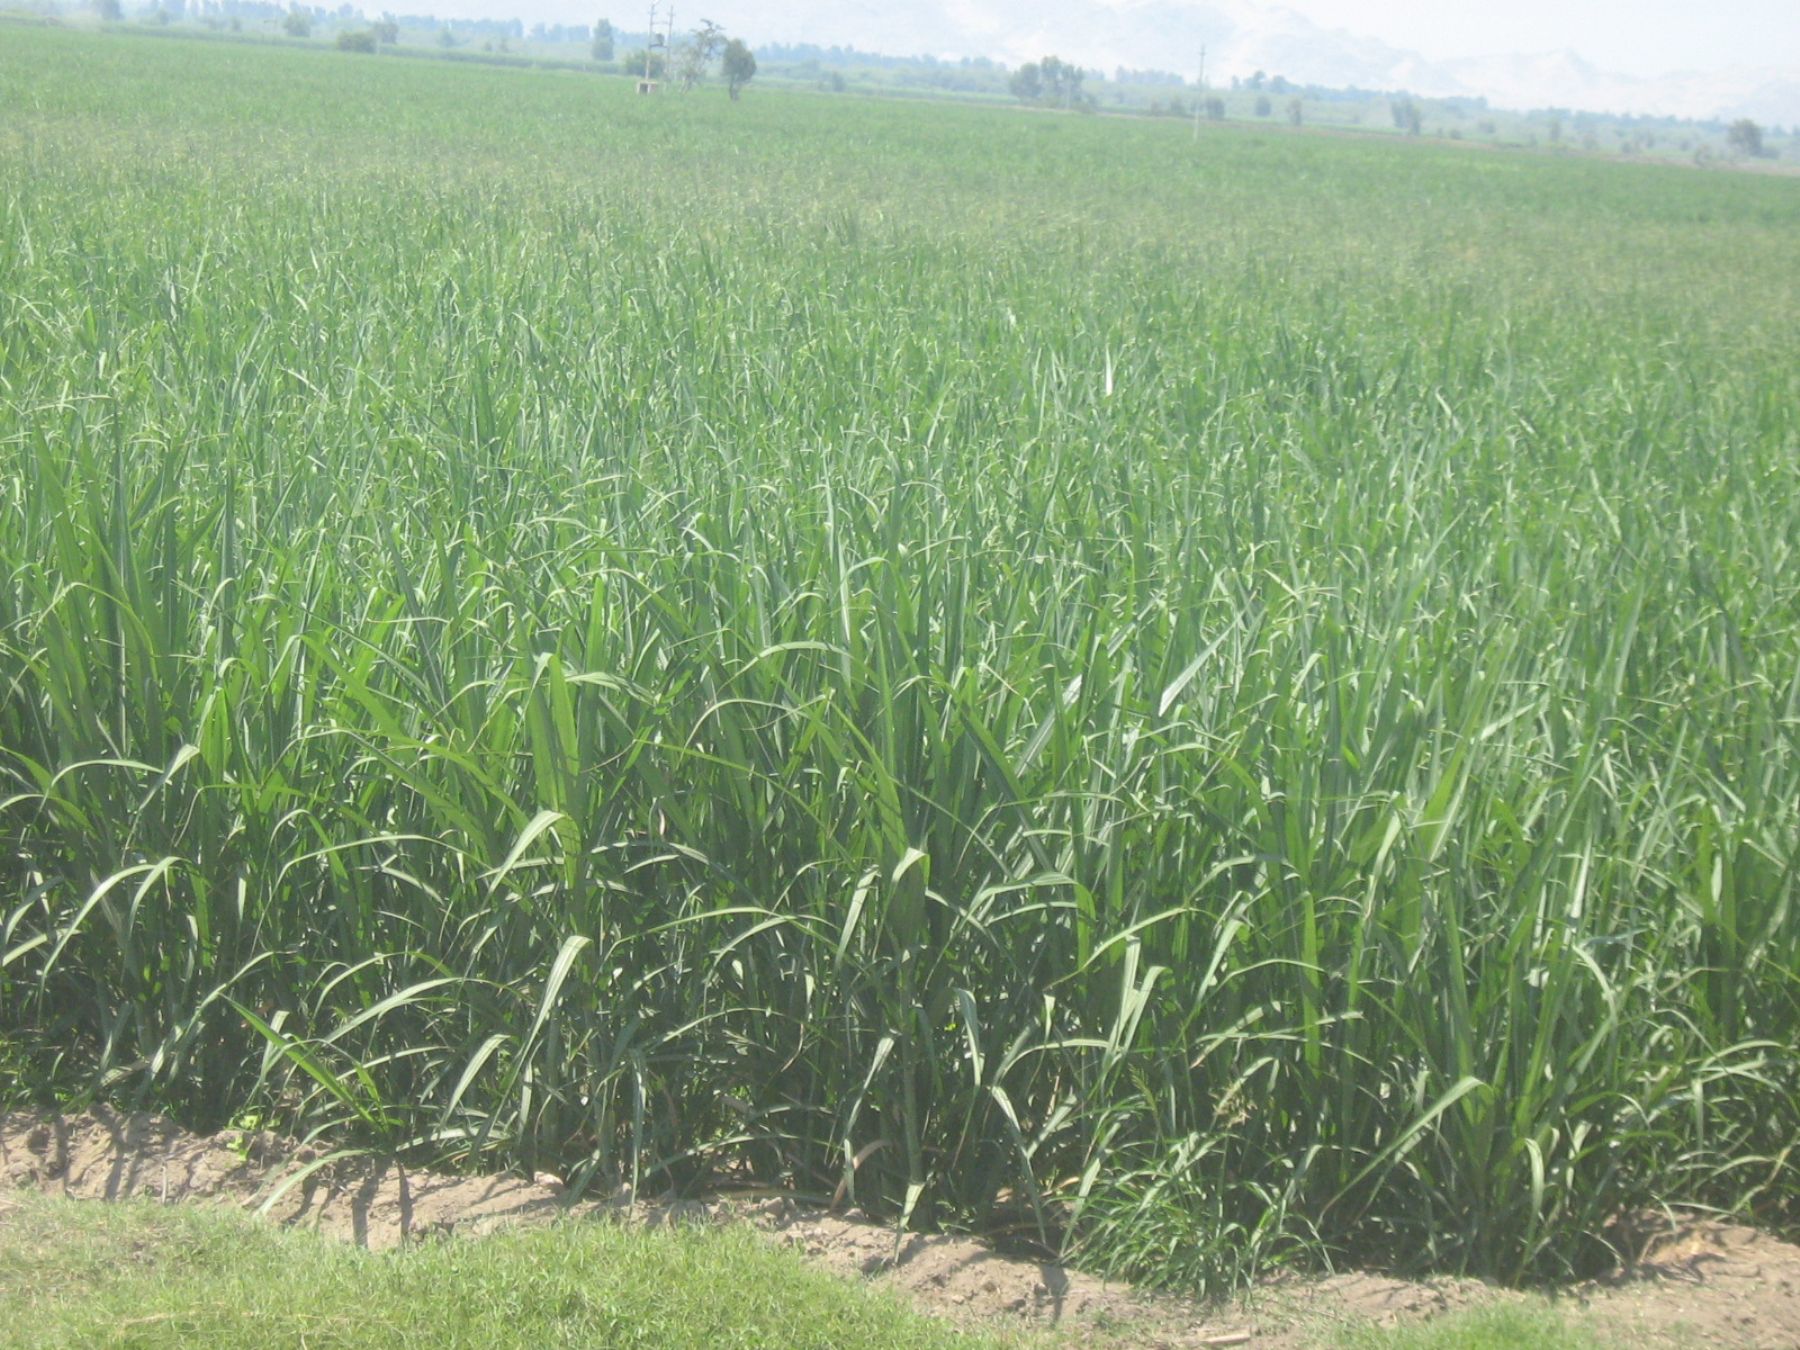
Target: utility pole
1200, 92
648, 45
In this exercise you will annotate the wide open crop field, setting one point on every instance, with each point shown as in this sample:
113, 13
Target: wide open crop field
1239, 698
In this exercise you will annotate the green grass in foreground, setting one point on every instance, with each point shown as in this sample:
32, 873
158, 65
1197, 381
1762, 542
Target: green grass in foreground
75, 1274
143, 1275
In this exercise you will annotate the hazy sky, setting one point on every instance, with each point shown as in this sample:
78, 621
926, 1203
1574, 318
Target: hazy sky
1634, 37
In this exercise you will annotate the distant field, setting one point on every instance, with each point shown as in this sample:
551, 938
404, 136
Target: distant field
840, 73
1235, 701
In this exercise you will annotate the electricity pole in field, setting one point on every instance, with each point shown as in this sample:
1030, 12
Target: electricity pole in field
1200, 92
655, 40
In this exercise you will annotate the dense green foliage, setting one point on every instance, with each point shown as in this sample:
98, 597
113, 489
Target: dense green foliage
1230, 698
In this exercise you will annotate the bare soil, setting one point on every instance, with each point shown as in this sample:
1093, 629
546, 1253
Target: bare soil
1697, 1283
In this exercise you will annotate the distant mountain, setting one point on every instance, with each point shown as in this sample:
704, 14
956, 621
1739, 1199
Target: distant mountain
1242, 37
1563, 79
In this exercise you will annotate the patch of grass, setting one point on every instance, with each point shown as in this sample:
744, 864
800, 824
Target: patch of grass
1513, 1328
143, 1275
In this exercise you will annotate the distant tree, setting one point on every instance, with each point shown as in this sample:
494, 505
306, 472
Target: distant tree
603, 40
360, 40
1554, 130
1215, 109
697, 53
110, 11
1027, 83
1258, 80
386, 31
1051, 81
1062, 81
1263, 106
1295, 111
1407, 116
297, 24
1745, 137
446, 38
739, 65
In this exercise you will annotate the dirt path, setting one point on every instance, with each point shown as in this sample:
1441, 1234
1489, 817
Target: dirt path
1707, 1284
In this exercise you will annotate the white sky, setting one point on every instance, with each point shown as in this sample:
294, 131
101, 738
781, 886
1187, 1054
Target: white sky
1633, 37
